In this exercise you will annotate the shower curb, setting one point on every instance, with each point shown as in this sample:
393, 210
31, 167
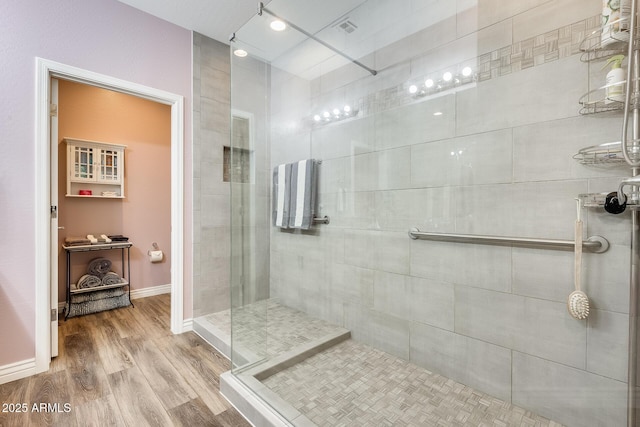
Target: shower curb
268, 409
297, 355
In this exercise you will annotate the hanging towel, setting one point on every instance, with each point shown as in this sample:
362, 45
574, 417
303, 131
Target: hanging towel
303, 194
281, 195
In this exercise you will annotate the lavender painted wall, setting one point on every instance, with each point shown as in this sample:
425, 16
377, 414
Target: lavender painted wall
103, 36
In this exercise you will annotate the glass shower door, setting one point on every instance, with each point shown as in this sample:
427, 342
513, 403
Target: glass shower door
459, 118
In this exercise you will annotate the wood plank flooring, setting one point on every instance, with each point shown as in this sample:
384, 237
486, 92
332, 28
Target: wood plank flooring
124, 368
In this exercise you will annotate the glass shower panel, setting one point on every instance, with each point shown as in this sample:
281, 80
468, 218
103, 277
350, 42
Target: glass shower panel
247, 171
446, 117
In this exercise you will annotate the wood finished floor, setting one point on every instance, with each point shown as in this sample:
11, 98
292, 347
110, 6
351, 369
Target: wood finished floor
125, 368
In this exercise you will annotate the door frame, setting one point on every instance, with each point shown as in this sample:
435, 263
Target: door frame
54, 222
45, 71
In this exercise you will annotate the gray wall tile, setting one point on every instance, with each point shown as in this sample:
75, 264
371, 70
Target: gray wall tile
568, 395
469, 361
415, 124
479, 159
211, 196
489, 106
473, 265
544, 151
608, 344
551, 15
544, 274
431, 302
388, 333
606, 280
533, 326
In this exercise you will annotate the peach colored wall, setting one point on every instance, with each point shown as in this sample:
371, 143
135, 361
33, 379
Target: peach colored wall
86, 112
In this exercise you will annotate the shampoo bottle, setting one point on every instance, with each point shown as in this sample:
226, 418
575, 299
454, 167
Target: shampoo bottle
614, 83
615, 21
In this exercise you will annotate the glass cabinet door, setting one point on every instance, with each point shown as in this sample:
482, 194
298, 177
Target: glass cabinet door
83, 167
109, 166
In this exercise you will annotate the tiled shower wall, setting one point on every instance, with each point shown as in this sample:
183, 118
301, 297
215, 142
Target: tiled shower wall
211, 228
498, 161
216, 214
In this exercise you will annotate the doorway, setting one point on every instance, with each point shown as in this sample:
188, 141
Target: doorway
46, 233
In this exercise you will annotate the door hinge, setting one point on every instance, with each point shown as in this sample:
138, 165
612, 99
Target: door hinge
53, 110
54, 212
54, 314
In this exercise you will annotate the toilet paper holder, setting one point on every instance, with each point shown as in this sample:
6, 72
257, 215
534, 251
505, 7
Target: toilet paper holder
156, 254
155, 248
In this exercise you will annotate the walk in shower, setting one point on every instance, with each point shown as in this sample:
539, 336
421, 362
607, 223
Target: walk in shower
452, 141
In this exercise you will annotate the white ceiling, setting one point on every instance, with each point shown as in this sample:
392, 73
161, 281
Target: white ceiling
213, 18
379, 23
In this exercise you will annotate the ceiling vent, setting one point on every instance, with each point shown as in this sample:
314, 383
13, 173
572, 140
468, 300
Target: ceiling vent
346, 26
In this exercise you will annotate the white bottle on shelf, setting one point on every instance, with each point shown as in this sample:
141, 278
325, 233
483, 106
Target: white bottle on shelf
614, 83
615, 21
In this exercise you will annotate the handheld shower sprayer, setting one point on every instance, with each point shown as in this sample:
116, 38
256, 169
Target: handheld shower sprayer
616, 201
612, 203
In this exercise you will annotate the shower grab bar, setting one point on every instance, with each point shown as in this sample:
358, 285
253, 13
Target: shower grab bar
261, 9
595, 244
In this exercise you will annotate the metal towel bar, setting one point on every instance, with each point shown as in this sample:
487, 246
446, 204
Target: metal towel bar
324, 220
595, 244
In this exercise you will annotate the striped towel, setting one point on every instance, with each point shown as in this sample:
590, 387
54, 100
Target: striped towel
294, 194
302, 205
281, 194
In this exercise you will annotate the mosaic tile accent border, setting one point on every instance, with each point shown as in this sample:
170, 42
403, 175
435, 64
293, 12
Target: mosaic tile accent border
557, 44
534, 51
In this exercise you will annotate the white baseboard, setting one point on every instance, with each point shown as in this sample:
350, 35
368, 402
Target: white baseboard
17, 370
187, 325
151, 291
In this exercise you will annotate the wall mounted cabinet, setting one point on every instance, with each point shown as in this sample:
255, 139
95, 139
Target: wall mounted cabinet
94, 169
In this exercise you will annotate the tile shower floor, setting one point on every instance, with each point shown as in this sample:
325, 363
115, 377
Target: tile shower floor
351, 384
286, 328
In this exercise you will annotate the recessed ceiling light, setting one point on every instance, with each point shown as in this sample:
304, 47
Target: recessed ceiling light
437, 113
317, 117
278, 25
413, 89
466, 71
240, 53
428, 83
447, 76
